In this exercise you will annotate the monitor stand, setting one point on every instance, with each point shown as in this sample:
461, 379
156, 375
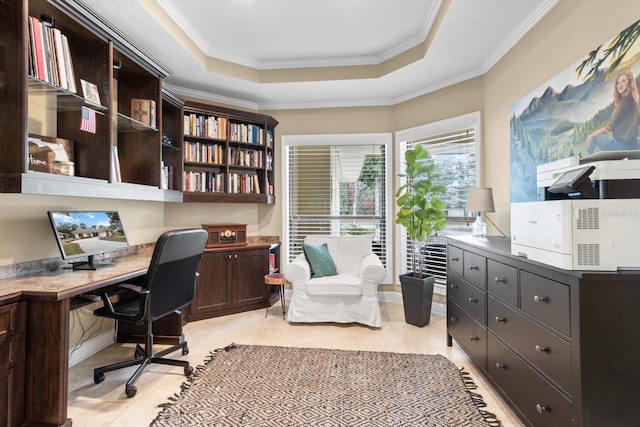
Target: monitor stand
90, 264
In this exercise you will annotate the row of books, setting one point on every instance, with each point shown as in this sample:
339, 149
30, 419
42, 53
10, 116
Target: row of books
241, 132
50, 56
209, 182
205, 126
203, 153
244, 183
242, 157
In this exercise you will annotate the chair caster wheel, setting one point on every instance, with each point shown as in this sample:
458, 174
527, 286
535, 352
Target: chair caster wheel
131, 391
188, 370
98, 378
185, 350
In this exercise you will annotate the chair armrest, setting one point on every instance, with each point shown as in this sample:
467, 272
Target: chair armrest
298, 273
141, 292
372, 272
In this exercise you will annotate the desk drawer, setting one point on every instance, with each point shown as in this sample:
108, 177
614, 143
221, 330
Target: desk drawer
467, 332
454, 260
502, 281
475, 269
540, 402
468, 296
546, 300
547, 351
13, 319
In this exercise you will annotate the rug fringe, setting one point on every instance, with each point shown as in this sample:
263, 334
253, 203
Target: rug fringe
190, 379
478, 400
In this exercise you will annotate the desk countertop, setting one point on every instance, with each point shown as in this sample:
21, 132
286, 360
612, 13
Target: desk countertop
64, 283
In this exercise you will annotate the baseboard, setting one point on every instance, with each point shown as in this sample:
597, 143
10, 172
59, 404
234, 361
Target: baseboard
90, 347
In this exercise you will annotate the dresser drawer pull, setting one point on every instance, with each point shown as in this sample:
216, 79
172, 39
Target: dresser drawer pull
452, 286
473, 299
474, 267
541, 409
541, 349
500, 319
474, 338
500, 366
454, 319
539, 299
500, 280
455, 259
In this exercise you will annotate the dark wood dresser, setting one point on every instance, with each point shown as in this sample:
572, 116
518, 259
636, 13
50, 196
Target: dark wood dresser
562, 347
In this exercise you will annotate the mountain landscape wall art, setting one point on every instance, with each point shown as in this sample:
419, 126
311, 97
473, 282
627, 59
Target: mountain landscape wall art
553, 121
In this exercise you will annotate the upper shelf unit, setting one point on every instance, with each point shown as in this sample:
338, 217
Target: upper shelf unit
87, 105
228, 155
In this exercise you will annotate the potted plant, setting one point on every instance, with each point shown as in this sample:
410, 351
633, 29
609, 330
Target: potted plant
421, 212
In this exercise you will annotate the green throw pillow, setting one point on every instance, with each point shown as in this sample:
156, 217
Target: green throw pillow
319, 259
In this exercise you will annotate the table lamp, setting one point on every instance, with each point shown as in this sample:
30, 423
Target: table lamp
480, 200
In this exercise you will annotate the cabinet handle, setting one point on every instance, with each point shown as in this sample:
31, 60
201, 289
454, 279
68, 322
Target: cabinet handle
541, 349
473, 299
500, 319
474, 338
500, 280
473, 267
455, 259
235, 256
452, 286
539, 299
541, 409
229, 256
500, 366
454, 319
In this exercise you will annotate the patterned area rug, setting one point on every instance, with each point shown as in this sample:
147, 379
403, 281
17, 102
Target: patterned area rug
283, 386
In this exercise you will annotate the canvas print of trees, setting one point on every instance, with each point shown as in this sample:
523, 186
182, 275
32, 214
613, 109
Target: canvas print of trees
562, 117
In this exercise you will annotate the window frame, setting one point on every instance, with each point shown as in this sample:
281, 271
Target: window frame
385, 139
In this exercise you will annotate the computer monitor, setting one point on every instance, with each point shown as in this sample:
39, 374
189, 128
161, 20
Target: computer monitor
81, 235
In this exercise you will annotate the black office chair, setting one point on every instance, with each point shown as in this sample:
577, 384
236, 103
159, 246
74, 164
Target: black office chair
168, 286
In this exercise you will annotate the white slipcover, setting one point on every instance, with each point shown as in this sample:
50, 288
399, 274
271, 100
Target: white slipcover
350, 296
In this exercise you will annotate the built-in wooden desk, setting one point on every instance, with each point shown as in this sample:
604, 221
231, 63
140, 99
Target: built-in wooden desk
47, 349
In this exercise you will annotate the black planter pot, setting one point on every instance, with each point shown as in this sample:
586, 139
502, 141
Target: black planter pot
417, 295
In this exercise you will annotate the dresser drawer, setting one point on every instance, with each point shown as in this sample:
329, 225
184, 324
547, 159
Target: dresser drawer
502, 281
546, 300
475, 269
548, 352
468, 296
468, 333
454, 260
540, 402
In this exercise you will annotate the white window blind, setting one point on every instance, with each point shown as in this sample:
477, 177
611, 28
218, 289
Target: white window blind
453, 150
336, 188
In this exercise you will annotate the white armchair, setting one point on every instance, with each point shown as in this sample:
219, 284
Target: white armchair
349, 296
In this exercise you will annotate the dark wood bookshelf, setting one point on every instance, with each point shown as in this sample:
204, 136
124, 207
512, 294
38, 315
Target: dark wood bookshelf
119, 69
259, 142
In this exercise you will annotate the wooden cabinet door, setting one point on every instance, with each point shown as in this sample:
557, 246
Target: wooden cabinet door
214, 285
249, 268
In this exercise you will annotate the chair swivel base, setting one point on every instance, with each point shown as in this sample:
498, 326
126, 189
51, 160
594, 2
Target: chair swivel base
144, 358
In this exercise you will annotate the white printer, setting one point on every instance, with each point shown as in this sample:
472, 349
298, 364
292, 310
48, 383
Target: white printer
579, 224
585, 234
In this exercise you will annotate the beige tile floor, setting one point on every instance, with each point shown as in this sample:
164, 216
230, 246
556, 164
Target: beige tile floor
106, 404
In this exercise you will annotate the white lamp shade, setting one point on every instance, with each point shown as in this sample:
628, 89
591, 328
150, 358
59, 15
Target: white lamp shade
480, 200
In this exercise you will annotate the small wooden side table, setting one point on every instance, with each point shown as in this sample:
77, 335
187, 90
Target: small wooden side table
276, 279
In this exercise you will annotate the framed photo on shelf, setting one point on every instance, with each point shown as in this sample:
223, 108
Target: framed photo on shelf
90, 92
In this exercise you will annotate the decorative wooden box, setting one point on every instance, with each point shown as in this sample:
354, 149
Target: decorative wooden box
225, 235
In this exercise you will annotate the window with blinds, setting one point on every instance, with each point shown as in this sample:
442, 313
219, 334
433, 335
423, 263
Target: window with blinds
452, 147
336, 186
